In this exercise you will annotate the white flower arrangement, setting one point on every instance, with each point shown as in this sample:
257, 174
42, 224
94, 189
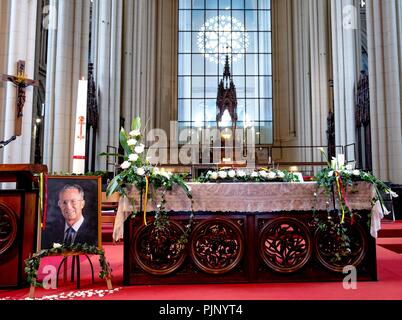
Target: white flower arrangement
241, 175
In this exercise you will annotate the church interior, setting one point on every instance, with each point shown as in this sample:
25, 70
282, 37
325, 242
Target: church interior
220, 149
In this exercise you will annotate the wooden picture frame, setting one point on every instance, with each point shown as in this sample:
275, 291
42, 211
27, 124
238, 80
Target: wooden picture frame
54, 223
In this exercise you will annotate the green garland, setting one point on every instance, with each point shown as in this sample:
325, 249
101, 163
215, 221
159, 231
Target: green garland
336, 180
32, 264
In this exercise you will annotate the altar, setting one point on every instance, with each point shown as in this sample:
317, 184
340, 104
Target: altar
247, 232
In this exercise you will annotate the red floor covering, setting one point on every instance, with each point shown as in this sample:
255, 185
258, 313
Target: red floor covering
388, 287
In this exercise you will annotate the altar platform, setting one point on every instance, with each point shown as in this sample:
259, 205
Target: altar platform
247, 233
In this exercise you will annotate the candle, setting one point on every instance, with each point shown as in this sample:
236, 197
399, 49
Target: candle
341, 161
80, 128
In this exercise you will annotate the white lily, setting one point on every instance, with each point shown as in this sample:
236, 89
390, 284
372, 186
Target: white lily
222, 174
139, 149
135, 133
271, 175
214, 175
393, 194
280, 174
133, 157
140, 171
125, 165
57, 245
232, 173
356, 172
241, 173
131, 142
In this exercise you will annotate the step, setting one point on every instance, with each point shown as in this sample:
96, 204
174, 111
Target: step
390, 229
395, 247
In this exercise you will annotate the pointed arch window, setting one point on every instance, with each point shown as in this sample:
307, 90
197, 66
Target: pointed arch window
207, 30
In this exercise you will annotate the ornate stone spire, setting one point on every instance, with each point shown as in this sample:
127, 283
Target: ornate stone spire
227, 98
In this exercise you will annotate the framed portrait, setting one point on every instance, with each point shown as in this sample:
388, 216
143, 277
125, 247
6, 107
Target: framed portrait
73, 211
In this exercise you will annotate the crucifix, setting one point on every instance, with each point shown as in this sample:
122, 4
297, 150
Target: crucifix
21, 83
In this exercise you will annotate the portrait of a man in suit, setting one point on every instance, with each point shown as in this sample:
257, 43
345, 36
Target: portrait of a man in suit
69, 222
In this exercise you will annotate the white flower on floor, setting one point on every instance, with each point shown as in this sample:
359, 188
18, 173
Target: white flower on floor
254, 175
57, 245
263, 174
77, 294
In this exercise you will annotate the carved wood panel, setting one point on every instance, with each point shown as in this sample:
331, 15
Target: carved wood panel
8, 227
238, 248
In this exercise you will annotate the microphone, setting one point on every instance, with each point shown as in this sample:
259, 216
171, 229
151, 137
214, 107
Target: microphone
6, 142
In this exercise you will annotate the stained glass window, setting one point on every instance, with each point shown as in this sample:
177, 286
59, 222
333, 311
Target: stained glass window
210, 29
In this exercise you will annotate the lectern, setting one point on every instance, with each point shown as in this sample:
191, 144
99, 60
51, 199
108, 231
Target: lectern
18, 220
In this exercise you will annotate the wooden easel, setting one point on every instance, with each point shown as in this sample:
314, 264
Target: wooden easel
75, 260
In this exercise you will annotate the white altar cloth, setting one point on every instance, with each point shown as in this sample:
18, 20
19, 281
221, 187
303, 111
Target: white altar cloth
253, 197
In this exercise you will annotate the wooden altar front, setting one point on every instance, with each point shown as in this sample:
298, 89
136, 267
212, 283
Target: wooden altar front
18, 220
247, 232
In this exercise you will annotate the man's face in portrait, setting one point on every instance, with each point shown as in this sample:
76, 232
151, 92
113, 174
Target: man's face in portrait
71, 204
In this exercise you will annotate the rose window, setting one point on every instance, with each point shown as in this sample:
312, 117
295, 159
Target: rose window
222, 34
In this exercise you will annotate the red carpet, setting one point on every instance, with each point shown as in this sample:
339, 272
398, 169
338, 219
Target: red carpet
389, 286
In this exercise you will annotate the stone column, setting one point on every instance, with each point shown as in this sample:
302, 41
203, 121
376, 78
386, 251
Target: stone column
166, 64
150, 62
346, 55
320, 71
302, 68
384, 26
67, 64
17, 42
107, 38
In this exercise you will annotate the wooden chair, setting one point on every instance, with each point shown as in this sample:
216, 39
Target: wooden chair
109, 209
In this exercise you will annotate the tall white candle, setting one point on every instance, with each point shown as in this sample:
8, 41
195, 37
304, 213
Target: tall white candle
341, 160
80, 128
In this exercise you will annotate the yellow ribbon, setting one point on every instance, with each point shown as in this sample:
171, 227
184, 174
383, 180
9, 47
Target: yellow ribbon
41, 191
340, 196
146, 200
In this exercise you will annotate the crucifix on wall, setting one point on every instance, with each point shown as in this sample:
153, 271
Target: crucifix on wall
21, 83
